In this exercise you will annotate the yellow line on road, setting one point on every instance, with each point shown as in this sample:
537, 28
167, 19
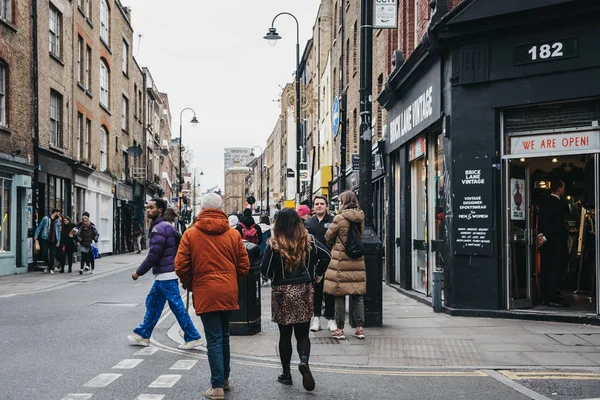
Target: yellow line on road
548, 375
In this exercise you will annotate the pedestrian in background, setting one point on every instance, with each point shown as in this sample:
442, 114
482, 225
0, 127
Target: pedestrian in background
346, 276
233, 221
265, 227
87, 234
317, 225
249, 229
293, 259
137, 236
67, 244
304, 212
160, 258
42, 232
210, 262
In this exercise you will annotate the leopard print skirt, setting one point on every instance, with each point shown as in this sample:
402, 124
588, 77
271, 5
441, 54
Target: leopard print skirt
292, 304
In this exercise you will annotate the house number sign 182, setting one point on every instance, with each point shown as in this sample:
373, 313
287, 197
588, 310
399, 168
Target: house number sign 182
546, 51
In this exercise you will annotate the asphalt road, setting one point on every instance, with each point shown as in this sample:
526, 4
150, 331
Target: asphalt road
66, 342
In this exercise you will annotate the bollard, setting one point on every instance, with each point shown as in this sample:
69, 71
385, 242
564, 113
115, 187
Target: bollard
436, 294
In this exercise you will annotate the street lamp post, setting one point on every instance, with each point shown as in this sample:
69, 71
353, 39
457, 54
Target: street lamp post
194, 120
273, 36
261, 175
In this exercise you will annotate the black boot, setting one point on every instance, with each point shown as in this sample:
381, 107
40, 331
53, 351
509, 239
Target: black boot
285, 377
307, 379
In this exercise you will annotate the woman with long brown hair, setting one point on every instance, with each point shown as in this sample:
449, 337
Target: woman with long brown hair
293, 260
346, 275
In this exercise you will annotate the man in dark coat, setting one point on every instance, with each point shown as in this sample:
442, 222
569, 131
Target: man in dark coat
552, 239
317, 225
161, 260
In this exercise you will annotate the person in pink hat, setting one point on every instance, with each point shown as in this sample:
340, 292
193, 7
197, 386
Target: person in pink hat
304, 212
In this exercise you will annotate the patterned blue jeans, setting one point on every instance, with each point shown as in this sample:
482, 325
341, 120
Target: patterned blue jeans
155, 302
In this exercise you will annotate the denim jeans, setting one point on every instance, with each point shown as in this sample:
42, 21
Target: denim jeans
155, 302
216, 329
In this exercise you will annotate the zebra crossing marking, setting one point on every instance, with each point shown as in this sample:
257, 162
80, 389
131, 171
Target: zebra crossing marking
184, 365
129, 363
146, 351
150, 397
103, 380
77, 396
165, 381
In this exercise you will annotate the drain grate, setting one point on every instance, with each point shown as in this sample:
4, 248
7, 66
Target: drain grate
114, 304
324, 340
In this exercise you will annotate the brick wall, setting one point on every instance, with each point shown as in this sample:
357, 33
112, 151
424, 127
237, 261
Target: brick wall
15, 54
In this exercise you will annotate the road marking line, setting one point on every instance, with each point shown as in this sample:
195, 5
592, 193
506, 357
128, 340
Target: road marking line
184, 364
77, 396
146, 351
515, 386
129, 363
150, 397
165, 381
102, 380
549, 375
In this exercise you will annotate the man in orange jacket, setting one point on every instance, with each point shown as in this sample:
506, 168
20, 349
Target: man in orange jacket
210, 262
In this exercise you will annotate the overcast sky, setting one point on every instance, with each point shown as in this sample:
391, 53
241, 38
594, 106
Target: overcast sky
210, 55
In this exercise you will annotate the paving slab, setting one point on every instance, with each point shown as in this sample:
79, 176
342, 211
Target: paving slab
559, 359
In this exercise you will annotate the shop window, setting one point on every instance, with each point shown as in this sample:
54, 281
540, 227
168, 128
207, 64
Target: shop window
55, 32
3, 93
5, 212
6, 10
56, 121
104, 214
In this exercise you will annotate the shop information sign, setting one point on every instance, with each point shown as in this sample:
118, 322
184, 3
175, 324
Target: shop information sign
385, 14
473, 217
517, 199
559, 143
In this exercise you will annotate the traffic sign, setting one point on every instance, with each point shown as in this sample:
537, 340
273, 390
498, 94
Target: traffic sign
336, 115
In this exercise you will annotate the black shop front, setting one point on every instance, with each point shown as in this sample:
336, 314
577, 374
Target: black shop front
520, 109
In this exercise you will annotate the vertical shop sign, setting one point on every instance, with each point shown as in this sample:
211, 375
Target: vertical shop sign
474, 215
517, 199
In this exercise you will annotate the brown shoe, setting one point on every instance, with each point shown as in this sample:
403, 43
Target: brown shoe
215, 394
227, 386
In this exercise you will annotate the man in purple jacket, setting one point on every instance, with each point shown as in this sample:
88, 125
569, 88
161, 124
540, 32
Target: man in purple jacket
161, 257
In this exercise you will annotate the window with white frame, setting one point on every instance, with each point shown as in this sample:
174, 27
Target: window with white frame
55, 32
6, 10
88, 9
125, 114
3, 93
125, 60
104, 83
79, 143
103, 148
104, 21
88, 68
56, 102
80, 63
86, 139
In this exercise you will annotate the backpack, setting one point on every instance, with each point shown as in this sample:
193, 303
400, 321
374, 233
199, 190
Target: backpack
353, 243
249, 234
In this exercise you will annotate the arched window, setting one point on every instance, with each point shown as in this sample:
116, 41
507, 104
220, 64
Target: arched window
104, 84
104, 21
103, 149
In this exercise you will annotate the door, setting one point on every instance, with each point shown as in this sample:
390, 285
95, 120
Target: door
519, 241
398, 210
597, 221
420, 275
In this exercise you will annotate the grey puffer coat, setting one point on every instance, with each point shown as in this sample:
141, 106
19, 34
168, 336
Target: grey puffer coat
345, 275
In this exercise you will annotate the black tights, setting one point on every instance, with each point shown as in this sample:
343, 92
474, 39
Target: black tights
285, 343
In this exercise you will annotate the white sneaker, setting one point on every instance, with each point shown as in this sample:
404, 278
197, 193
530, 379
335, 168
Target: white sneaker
331, 325
137, 340
315, 324
52, 272
86, 268
193, 344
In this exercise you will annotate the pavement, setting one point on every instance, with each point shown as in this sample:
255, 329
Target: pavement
412, 335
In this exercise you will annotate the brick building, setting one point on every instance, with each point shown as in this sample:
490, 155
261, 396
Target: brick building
235, 188
16, 134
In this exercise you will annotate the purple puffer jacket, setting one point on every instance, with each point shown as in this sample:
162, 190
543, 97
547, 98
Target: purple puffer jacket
163, 248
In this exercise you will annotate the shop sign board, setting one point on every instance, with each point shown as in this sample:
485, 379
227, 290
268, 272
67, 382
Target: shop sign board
304, 176
419, 107
565, 143
517, 199
355, 157
385, 14
473, 217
